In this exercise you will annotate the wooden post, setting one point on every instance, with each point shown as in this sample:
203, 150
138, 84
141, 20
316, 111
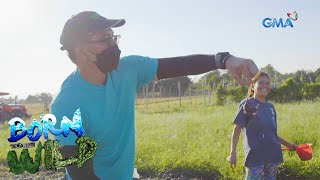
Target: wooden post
144, 94
179, 89
204, 91
209, 94
154, 84
190, 94
213, 89
147, 90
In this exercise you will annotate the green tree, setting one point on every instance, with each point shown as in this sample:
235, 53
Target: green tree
220, 95
275, 76
32, 99
318, 79
237, 94
311, 91
289, 91
317, 75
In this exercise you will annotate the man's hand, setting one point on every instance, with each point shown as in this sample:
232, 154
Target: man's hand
232, 158
240, 66
291, 147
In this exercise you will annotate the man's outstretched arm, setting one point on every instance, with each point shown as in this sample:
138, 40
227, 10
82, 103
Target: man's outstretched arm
198, 64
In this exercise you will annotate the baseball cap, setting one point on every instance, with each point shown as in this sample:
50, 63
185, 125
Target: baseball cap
80, 25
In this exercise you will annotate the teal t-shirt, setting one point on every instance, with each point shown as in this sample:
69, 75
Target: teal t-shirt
107, 113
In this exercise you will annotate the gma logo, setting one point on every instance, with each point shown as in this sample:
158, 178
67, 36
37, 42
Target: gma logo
268, 22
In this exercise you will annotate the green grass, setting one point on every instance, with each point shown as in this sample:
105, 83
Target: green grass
196, 138
36, 110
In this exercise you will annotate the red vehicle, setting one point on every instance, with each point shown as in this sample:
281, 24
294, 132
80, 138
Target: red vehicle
9, 111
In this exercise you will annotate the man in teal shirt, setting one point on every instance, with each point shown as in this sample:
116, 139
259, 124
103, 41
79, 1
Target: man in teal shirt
103, 86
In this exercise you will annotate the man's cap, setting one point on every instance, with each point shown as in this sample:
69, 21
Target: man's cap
80, 25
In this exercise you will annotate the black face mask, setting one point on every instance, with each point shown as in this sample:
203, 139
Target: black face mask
108, 60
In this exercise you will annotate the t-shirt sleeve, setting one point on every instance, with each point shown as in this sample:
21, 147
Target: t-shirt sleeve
240, 118
145, 68
59, 110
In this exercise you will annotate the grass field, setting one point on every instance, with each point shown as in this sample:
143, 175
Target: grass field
195, 138
36, 110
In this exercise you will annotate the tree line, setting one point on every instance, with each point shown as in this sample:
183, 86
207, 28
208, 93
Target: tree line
44, 98
289, 87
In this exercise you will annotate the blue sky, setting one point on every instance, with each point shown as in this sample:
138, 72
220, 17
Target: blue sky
31, 61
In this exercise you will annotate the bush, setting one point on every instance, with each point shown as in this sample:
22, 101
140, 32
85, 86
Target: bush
220, 95
237, 94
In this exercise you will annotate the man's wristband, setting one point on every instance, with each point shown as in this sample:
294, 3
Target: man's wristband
221, 59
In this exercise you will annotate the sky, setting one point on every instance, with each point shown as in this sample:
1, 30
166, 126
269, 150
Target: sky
31, 60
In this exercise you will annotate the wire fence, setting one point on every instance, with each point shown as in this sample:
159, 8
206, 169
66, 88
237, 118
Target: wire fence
176, 95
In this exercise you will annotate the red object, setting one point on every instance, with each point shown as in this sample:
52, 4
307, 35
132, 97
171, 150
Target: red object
14, 107
304, 151
289, 14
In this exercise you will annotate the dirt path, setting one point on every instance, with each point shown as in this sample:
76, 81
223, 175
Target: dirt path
42, 174
58, 175
177, 175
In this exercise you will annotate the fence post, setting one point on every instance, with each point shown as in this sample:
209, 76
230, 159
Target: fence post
190, 95
147, 90
204, 91
179, 89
